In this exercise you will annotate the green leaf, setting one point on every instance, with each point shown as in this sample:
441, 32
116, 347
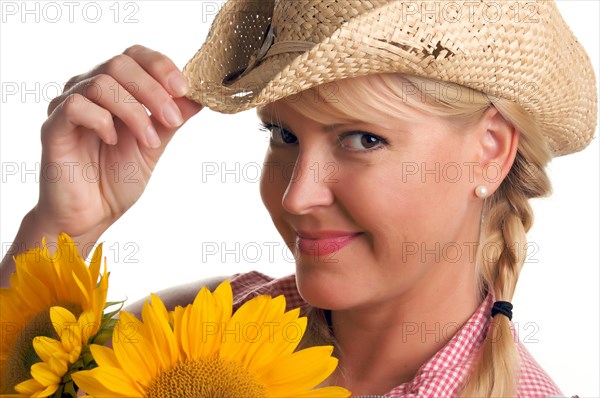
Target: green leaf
105, 332
70, 390
111, 314
111, 303
59, 392
88, 358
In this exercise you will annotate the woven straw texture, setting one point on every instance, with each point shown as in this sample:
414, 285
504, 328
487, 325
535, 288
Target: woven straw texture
523, 53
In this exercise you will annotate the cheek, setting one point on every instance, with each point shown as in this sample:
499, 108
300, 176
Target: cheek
379, 195
267, 191
272, 187
404, 204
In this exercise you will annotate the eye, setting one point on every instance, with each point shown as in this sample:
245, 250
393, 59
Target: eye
279, 135
361, 141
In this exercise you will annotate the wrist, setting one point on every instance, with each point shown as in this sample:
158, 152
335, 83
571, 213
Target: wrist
34, 227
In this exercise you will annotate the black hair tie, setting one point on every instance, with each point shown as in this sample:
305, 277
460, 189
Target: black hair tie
327, 314
502, 307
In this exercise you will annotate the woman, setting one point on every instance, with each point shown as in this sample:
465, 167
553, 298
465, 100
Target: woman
301, 208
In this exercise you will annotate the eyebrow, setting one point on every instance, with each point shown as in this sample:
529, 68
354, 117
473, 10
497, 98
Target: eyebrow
327, 128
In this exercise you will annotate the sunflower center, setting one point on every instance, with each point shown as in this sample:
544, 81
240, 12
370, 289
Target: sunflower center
21, 355
206, 378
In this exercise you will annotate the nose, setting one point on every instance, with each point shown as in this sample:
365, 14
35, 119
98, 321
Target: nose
310, 185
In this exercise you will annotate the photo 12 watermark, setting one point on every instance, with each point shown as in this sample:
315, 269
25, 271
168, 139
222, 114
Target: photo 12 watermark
114, 252
128, 332
423, 11
53, 12
47, 92
70, 172
246, 252
328, 172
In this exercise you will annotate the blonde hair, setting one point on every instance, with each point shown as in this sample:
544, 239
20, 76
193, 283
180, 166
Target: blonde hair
507, 213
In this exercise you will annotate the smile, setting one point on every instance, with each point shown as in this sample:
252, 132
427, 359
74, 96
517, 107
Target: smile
323, 243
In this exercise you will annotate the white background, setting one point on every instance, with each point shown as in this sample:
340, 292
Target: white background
159, 242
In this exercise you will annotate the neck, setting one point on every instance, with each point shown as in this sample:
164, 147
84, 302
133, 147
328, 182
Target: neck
384, 345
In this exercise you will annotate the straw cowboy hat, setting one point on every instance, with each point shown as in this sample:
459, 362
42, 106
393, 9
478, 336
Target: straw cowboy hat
259, 51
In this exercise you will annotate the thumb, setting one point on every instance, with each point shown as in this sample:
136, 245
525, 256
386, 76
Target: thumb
188, 108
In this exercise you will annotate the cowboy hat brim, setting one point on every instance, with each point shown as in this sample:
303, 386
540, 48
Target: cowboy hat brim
537, 63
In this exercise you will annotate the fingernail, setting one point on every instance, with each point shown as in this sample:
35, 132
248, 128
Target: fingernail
152, 137
178, 83
172, 115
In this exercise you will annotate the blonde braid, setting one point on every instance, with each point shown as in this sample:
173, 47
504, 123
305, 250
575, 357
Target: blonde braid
502, 252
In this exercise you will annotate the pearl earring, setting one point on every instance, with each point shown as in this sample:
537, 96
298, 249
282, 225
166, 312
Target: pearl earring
481, 191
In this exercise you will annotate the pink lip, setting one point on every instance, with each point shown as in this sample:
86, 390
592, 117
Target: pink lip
321, 243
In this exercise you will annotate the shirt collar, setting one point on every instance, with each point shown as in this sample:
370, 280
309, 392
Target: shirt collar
457, 354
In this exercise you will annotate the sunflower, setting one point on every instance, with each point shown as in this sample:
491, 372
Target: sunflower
48, 293
58, 356
203, 351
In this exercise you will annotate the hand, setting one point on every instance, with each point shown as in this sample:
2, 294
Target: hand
100, 124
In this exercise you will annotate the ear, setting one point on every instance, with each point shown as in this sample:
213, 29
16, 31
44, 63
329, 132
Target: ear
498, 141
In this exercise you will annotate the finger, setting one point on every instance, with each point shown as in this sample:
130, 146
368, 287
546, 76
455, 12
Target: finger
150, 77
144, 87
161, 68
105, 91
77, 111
66, 91
188, 109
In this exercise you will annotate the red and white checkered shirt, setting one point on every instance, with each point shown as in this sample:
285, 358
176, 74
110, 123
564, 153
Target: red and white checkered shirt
441, 375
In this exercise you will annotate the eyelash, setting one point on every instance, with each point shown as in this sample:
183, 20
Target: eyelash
383, 142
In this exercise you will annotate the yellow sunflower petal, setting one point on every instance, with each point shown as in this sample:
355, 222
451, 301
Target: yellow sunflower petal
159, 307
325, 392
71, 291
67, 327
104, 356
300, 371
46, 346
33, 389
107, 382
99, 296
74, 355
179, 325
48, 391
235, 346
68, 256
278, 336
83, 289
38, 262
28, 387
276, 307
31, 256
224, 298
33, 291
105, 275
160, 333
95, 263
60, 317
44, 374
207, 315
11, 312
5, 302
133, 351
89, 324
59, 363
205, 319
278, 341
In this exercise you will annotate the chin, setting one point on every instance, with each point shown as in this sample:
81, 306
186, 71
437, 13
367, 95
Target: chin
327, 290
336, 281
